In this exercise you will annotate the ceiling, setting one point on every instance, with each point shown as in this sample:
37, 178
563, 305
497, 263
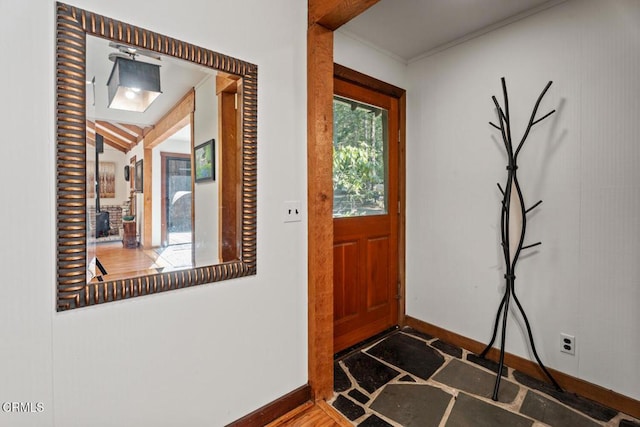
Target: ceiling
122, 130
404, 29
411, 29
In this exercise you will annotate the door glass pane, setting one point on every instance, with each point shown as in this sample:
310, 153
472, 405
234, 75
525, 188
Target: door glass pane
179, 200
360, 138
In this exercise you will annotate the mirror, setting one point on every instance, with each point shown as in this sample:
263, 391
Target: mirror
160, 198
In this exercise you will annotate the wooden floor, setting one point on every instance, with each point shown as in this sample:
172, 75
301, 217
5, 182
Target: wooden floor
122, 262
320, 414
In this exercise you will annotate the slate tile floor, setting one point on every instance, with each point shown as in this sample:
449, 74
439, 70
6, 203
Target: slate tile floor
411, 379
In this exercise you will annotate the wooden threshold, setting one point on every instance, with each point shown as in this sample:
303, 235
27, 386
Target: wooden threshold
569, 383
319, 414
276, 409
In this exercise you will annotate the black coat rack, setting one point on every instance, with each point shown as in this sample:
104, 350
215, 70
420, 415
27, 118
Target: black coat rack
513, 225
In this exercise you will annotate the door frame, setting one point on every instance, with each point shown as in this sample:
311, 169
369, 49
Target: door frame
325, 17
164, 156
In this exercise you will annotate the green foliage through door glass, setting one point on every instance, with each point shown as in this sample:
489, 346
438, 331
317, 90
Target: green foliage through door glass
359, 158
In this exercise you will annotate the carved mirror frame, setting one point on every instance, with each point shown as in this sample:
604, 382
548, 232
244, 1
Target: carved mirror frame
72, 27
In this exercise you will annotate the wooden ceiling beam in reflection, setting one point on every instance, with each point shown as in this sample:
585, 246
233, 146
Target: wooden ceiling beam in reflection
112, 142
227, 83
124, 137
175, 119
137, 131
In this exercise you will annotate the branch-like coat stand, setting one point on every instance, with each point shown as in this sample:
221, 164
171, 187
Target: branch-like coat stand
513, 225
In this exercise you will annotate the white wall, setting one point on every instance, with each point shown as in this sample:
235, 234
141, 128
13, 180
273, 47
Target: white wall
27, 264
583, 162
206, 224
365, 58
110, 154
201, 356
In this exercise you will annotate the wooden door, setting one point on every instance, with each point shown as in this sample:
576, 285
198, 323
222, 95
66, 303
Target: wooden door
365, 211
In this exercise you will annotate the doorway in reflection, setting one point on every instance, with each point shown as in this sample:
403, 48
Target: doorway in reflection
176, 193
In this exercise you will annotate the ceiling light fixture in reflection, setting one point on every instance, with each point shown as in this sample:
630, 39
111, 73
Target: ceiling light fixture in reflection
133, 85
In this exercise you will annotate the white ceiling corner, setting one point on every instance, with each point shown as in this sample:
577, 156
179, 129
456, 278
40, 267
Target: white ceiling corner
410, 29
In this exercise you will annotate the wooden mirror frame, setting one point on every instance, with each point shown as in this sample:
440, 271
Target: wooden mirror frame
72, 27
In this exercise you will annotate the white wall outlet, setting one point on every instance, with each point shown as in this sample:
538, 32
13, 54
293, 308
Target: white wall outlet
291, 211
568, 344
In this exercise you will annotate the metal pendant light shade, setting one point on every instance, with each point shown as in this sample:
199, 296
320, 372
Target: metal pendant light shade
133, 85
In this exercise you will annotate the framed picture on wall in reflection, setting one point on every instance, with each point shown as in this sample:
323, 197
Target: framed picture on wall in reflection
138, 177
205, 161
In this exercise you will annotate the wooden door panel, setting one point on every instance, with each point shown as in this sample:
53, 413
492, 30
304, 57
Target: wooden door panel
351, 228
345, 281
363, 325
378, 272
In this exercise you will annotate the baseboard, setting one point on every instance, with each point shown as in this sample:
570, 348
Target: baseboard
572, 384
275, 409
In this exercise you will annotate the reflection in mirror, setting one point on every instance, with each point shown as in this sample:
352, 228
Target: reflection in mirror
174, 224
167, 152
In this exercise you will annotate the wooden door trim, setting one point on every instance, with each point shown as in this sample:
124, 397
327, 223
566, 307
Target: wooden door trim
324, 17
230, 120
320, 208
402, 217
357, 78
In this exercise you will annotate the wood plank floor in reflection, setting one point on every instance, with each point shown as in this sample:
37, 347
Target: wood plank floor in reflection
121, 262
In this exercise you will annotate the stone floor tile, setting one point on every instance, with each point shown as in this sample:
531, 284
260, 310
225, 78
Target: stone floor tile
358, 395
374, 421
412, 404
341, 381
409, 354
418, 404
412, 331
363, 344
586, 406
469, 411
473, 380
486, 363
552, 413
348, 408
451, 350
368, 372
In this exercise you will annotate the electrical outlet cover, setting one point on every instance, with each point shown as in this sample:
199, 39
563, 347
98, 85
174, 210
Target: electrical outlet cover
291, 211
567, 344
